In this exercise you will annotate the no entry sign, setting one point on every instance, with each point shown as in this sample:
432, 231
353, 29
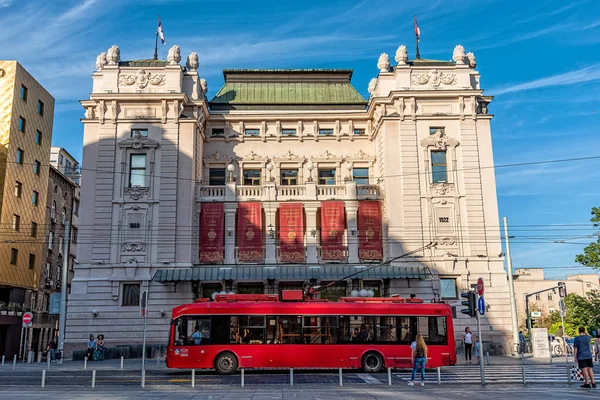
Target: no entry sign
27, 319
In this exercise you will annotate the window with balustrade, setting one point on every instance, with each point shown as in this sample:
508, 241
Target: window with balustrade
326, 176
289, 177
252, 177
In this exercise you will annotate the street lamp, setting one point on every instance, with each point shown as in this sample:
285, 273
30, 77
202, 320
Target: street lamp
310, 166
270, 169
230, 168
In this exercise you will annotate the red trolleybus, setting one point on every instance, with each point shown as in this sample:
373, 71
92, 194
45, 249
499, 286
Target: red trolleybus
260, 331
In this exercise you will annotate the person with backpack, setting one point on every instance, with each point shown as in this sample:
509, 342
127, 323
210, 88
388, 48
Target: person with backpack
419, 359
583, 354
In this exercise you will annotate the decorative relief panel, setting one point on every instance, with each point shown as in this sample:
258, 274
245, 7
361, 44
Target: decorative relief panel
141, 79
433, 78
441, 189
138, 141
136, 193
439, 140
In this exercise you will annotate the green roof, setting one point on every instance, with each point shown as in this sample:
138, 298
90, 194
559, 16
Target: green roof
431, 63
143, 63
314, 86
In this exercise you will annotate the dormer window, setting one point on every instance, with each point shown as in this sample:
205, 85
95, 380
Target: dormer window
141, 132
218, 132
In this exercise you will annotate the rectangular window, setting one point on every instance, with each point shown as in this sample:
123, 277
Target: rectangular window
251, 132
216, 176
76, 207
36, 167
40, 108
284, 329
550, 296
61, 244
360, 176
289, 177
50, 240
31, 261
334, 292
438, 167
288, 132
218, 132
358, 132
20, 156
18, 188
14, 256
434, 129
34, 229
75, 232
448, 288
60, 159
437, 331
16, 222
320, 330
326, 176
137, 170
538, 297
22, 123
38, 137
131, 294
325, 132
23, 93
141, 132
252, 177
35, 198
252, 329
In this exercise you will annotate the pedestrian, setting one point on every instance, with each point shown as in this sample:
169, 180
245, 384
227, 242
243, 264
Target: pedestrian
197, 335
597, 346
468, 343
477, 349
91, 346
99, 352
52, 349
559, 336
419, 358
521, 342
583, 355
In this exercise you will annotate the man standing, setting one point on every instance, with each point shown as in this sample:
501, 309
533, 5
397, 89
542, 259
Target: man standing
583, 355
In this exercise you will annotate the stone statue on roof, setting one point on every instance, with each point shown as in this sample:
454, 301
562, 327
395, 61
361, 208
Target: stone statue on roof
459, 55
101, 60
113, 56
472, 61
174, 55
192, 61
401, 55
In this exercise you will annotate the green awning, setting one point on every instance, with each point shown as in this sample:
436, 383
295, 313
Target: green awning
292, 273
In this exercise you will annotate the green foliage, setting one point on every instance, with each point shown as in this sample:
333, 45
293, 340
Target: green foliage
570, 330
583, 311
591, 253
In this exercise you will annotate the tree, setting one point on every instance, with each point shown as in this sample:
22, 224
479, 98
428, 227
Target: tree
591, 253
583, 311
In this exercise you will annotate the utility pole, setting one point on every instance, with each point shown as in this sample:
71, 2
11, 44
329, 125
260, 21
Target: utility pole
511, 287
62, 320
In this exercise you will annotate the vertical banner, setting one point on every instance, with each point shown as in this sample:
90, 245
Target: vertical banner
249, 232
291, 233
369, 230
332, 230
212, 228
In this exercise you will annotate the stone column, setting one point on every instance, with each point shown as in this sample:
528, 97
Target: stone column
230, 209
311, 226
352, 223
270, 223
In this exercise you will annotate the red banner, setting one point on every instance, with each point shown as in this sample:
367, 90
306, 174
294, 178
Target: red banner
332, 230
291, 233
369, 230
212, 227
249, 232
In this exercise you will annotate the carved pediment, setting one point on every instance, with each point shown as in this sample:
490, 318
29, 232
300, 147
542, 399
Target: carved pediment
289, 156
361, 155
439, 140
252, 156
327, 156
138, 141
434, 78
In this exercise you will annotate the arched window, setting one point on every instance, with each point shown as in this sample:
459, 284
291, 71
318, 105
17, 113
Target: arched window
53, 210
55, 188
64, 215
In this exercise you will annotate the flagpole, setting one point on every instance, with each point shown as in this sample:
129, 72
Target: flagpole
418, 55
417, 34
156, 47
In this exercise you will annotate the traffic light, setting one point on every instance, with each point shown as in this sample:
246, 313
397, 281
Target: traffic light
470, 303
562, 290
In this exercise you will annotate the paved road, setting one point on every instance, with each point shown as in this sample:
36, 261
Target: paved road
458, 392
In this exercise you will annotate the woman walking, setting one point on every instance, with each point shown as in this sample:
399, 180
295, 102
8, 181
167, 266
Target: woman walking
419, 359
468, 343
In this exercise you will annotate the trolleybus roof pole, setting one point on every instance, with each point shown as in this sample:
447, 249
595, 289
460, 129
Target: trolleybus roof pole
311, 291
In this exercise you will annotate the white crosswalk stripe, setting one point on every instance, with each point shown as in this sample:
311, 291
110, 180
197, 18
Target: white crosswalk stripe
369, 379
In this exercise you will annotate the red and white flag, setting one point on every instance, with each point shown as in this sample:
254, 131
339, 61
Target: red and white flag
417, 30
161, 33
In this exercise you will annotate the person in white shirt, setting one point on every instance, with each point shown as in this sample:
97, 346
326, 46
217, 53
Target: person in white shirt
467, 341
197, 335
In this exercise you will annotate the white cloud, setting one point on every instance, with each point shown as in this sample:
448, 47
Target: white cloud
587, 74
5, 3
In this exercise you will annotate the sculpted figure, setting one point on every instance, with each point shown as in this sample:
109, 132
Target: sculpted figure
174, 55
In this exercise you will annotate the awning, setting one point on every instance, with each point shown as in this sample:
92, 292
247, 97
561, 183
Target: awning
295, 273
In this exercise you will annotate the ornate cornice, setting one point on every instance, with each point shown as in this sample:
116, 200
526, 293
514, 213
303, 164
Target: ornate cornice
439, 140
138, 142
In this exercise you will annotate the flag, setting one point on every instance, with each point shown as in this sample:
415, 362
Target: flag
161, 33
417, 30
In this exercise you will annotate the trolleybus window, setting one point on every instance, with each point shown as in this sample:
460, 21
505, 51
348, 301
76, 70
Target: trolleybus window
185, 331
320, 330
252, 329
284, 329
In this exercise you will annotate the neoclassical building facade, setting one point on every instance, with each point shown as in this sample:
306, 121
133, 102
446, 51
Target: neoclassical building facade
284, 179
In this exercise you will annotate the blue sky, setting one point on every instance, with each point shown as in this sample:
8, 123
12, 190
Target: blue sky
540, 59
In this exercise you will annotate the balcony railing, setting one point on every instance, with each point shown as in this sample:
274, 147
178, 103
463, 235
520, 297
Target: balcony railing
308, 192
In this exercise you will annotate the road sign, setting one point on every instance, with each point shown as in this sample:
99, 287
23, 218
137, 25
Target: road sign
536, 314
561, 305
480, 286
54, 304
27, 319
481, 305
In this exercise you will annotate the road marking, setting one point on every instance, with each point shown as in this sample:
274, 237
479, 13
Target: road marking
369, 379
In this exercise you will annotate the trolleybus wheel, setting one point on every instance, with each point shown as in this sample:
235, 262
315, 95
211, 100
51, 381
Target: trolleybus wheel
372, 362
226, 363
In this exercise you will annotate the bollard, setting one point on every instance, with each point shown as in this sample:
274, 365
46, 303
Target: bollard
158, 360
487, 357
341, 384
48, 360
39, 357
14, 362
3, 359
122, 362
193, 377
439, 371
242, 377
291, 376
523, 374
85, 363
93, 379
568, 375
389, 376
143, 378
43, 378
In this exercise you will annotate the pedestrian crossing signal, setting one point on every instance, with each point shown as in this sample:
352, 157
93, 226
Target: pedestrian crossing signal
470, 303
562, 290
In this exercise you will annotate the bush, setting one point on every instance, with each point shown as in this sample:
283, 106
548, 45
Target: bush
570, 330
